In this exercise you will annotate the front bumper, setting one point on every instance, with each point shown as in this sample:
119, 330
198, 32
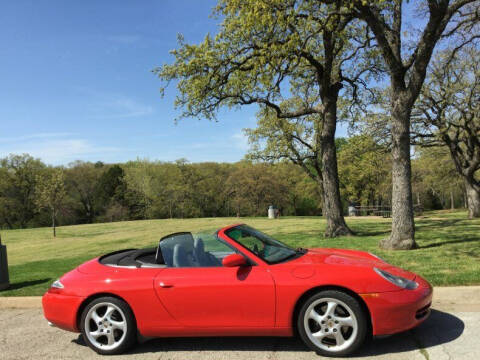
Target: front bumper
397, 311
61, 310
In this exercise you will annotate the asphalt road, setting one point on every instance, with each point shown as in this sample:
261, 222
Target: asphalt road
24, 334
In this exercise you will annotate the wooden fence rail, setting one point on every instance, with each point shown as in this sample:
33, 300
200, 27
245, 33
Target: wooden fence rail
378, 210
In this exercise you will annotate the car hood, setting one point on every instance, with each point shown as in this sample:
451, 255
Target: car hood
351, 259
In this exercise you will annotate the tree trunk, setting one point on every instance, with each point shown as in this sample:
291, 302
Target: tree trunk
452, 200
473, 200
332, 204
403, 227
53, 224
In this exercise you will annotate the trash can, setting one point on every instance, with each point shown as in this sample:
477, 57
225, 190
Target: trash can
271, 212
352, 211
4, 279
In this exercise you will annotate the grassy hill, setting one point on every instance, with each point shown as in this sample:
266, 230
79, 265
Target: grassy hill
448, 254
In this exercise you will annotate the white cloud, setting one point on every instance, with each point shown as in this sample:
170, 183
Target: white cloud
130, 108
240, 141
112, 106
21, 138
56, 150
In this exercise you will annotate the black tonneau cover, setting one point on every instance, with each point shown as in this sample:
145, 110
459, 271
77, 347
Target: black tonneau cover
130, 257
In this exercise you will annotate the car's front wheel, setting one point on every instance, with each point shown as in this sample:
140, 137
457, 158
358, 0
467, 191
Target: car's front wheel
108, 326
332, 323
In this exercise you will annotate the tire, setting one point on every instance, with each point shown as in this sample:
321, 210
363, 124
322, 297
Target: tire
332, 323
108, 326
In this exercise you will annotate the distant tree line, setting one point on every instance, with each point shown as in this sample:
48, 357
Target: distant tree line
33, 194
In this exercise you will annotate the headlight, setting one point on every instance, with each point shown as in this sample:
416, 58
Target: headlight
397, 280
57, 284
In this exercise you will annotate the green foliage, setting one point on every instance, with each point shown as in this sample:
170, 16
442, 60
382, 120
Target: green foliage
296, 139
285, 56
435, 180
111, 184
50, 189
364, 171
448, 110
18, 179
50, 192
81, 181
145, 189
252, 188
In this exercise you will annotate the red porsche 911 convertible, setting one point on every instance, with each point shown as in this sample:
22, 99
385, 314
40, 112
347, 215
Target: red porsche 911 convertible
236, 282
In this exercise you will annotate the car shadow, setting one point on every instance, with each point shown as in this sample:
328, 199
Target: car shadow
439, 329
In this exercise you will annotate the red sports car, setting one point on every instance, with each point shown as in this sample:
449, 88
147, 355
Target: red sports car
237, 281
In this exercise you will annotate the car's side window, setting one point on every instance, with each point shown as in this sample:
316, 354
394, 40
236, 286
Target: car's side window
209, 250
186, 250
177, 250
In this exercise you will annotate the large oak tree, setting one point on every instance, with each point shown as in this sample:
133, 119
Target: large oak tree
449, 115
291, 58
407, 58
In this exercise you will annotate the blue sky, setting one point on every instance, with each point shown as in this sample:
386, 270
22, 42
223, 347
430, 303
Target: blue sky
76, 83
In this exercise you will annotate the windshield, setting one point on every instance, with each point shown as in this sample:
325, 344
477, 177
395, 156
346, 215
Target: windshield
262, 245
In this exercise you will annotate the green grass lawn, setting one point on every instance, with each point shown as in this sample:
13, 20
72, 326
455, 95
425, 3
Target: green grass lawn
448, 254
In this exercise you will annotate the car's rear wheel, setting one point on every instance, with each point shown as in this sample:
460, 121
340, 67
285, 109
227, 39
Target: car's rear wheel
332, 323
108, 326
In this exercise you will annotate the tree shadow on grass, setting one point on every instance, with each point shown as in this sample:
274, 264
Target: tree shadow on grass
371, 233
426, 223
439, 329
19, 285
459, 241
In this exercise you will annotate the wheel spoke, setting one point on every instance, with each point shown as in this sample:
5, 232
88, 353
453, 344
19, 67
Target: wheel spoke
95, 317
348, 321
120, 325
339, 338
331, 306
110, 338
319, 334
109, 312
96, 334
315, 316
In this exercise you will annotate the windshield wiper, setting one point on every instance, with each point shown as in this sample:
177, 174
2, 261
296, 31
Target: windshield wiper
301, 250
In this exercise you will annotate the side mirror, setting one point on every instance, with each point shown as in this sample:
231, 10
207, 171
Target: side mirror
233, 260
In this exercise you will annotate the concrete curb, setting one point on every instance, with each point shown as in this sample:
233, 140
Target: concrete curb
455, 298
20, 302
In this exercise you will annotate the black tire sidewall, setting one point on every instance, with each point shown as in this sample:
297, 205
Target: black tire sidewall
131, 335
354, 305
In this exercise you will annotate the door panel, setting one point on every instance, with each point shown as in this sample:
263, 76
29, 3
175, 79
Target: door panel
218, 296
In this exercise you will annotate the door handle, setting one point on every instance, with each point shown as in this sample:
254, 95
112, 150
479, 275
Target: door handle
164, 285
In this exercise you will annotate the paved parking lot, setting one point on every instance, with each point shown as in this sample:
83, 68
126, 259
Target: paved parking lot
452, 334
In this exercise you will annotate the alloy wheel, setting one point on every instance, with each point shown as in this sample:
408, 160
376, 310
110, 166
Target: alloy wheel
330, 324
105, 326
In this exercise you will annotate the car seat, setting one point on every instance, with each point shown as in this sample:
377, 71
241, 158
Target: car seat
180, 257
